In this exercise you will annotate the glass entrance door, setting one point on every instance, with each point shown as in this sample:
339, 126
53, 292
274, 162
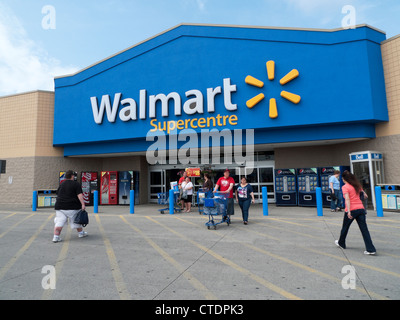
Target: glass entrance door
266, 179
157, 184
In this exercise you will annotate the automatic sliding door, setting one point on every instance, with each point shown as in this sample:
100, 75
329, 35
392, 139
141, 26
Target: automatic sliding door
157, 184
266, 179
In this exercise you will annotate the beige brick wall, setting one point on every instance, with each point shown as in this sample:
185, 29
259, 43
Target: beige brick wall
26, 125
16, 186
391, 66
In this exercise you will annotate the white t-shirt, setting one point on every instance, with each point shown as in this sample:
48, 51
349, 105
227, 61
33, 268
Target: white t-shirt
186, 186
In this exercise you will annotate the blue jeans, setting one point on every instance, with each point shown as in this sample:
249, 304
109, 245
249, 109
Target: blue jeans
245, 205
338, 202
360, 217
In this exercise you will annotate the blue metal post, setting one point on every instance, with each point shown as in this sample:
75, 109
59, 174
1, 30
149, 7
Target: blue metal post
132, 202
265, 201
34, 201
171, 201
96, 201
319, 201
378, 200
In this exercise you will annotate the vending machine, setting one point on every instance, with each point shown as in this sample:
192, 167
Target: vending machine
89, 186
127, 181
285, 187
61, 177
109, 188
325, 173
307, 183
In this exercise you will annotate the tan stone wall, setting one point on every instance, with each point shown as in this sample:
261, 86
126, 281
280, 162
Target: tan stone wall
26, 125
391, 66
16, 185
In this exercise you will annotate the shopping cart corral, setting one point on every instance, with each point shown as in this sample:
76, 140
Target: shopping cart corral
163, 198
214, 207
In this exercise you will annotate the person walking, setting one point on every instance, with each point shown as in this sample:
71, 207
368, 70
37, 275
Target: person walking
226, 184
244, 196
182, 180
207, 186
187, 188
354, 210
334, 186
68, 203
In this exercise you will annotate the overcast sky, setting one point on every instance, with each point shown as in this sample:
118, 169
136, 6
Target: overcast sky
42, 39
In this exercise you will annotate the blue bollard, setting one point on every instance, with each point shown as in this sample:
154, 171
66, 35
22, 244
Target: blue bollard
265, 201
319, 202
171, 201
34, 201
96, 201
132, 202
378, 200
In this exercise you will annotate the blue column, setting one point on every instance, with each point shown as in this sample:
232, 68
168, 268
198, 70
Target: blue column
378, 200
132, 202
171, 201
265, 201
319, 201
96, 201
34, 201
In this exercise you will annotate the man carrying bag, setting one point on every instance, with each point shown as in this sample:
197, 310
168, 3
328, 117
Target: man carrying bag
68, 203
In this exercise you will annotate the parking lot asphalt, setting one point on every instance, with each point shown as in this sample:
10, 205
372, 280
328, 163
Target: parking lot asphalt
288, 255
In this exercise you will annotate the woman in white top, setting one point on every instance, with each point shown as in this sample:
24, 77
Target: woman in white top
187, 187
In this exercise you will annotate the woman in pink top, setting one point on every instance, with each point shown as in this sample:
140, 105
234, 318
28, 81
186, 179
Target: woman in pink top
354, 210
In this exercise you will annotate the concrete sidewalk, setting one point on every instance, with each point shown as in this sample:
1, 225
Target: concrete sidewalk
289, 254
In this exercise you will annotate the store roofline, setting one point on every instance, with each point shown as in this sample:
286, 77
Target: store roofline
216, 25
24, 93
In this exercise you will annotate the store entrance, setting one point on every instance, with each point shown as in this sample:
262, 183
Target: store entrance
160, 180
259, 177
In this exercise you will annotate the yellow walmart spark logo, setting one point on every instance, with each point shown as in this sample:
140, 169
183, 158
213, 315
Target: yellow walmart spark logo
273, 109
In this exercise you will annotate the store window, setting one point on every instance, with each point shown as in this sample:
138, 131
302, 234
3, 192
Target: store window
2, 166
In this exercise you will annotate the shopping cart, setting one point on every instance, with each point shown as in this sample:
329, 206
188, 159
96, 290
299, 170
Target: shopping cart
163, 198
214, 207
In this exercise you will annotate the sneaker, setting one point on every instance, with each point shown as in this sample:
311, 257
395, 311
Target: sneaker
56, 239
369, 253
82, 234
337, 243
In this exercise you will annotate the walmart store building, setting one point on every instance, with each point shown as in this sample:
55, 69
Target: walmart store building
312, 97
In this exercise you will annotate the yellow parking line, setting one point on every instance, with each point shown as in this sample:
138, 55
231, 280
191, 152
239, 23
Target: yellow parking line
192, 280
21, 251
116, 272
233, 265
15, 225
60, 262
6, 217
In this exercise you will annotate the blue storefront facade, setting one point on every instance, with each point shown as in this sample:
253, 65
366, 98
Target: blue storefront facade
201, 77
284, 90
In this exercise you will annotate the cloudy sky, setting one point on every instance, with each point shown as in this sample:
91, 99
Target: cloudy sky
42, 39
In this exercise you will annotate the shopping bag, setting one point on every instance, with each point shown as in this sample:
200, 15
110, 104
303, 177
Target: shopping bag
82, 218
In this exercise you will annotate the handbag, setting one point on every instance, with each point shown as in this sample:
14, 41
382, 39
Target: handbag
82, 218
184, 194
